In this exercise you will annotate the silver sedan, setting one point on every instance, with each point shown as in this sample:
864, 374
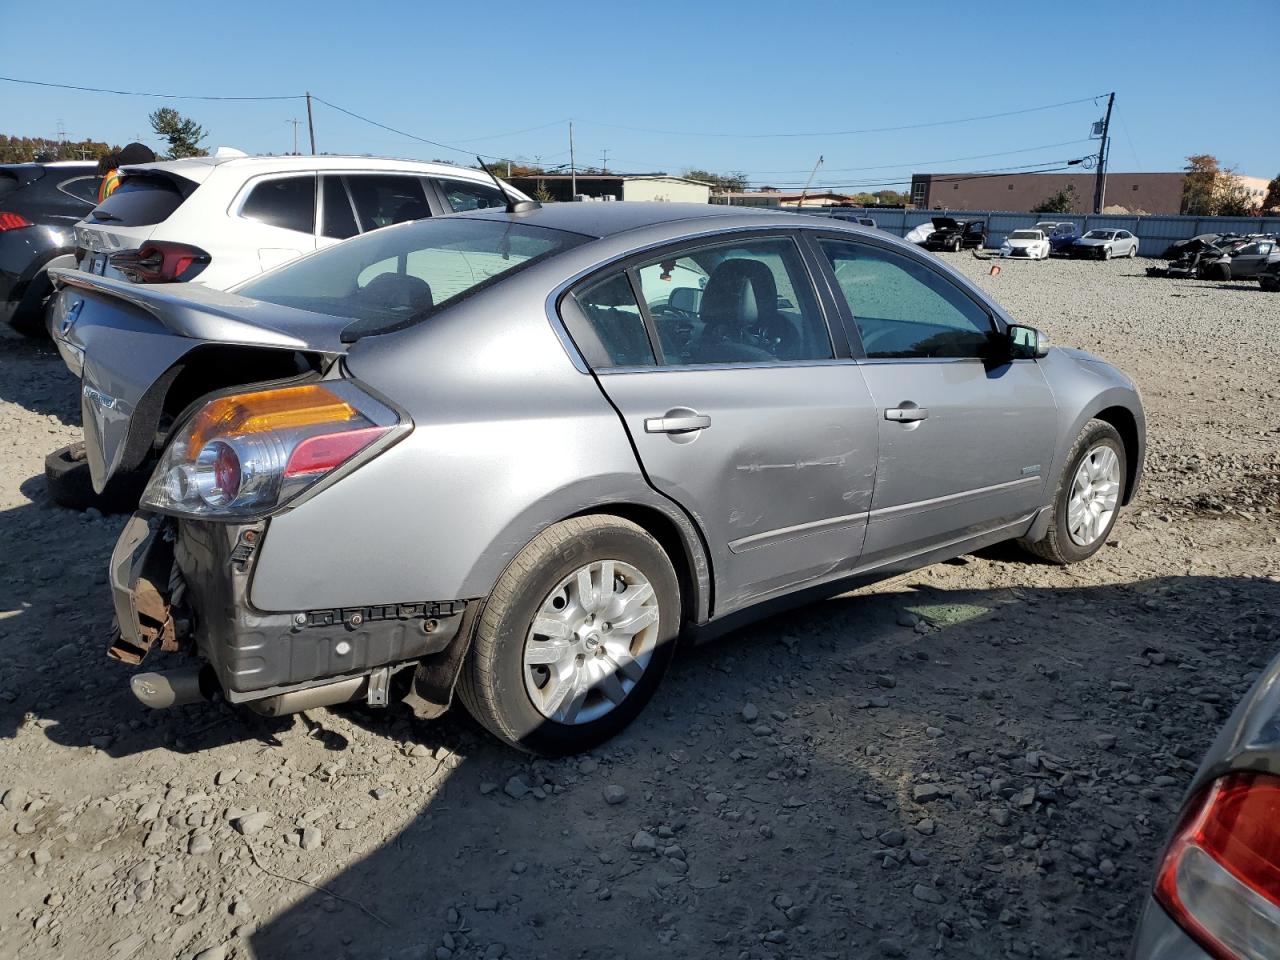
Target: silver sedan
518, 453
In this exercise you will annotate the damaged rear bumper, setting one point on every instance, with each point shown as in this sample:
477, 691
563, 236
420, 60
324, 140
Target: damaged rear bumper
184, 586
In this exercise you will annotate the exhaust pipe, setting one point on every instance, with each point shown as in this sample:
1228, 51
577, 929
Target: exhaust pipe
295, 701
162, 689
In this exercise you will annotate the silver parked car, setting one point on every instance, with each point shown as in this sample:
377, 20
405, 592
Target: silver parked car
1105, 245
519, 452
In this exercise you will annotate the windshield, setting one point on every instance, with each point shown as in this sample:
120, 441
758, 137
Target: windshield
397, 276
1100, 235
1025, 235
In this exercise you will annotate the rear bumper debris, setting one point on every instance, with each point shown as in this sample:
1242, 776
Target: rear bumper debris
185, 586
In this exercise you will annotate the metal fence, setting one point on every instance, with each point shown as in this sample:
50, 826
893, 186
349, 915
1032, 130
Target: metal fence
1154, 233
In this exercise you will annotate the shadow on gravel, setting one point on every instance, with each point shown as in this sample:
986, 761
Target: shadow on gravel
882, 801
36, 378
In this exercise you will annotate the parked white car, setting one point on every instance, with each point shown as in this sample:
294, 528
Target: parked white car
1028, 244
918, 235
222, 219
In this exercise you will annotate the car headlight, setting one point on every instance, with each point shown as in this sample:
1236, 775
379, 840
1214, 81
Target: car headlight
245, 455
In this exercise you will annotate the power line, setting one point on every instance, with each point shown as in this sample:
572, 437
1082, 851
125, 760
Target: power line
1049, 166
134, 93
844, 133
403, 133
929, 163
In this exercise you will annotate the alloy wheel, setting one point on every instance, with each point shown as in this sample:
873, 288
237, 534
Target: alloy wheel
1095, 494
590, 642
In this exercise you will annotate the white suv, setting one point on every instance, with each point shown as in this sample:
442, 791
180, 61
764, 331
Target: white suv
219, 220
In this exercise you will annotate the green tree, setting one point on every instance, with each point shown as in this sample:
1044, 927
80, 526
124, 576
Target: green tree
184, 135
1271, 202
1198, 185
1064, 201
720, 182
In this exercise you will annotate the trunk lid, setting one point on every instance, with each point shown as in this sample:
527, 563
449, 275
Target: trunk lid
134, 341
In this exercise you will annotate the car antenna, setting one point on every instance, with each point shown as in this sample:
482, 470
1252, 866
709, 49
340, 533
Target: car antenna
513, 205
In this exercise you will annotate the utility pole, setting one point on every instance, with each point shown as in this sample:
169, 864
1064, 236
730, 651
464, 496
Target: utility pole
1100, 178
311, 127
295, 135
573, 169
812, 174
604, 160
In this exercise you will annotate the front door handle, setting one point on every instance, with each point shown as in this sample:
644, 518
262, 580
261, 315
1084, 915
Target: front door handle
677, 423
906, 412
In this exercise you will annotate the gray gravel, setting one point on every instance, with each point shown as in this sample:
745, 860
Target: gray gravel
975, 760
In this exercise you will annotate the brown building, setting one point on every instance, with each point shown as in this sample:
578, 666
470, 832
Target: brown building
1152, 193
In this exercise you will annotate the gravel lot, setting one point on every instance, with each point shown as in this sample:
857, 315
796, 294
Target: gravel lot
979, 759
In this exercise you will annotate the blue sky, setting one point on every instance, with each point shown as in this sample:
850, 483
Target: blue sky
678, 85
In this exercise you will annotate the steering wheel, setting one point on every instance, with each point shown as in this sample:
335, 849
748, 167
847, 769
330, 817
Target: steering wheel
777, 335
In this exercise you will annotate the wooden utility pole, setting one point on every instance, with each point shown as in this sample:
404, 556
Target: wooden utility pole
1100, 178
311, 126
295, 135
804, 193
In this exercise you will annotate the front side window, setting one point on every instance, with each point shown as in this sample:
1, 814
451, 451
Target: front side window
463, 196
902, 308
745, 302
385, 199
285, 202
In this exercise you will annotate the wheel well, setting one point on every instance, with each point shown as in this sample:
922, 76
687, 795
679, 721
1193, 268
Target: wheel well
663, 529
1125, 424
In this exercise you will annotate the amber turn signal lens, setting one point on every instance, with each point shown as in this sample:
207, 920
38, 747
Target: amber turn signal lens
283, 409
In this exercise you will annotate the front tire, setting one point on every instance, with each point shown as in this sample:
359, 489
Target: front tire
574, 638
1088, 497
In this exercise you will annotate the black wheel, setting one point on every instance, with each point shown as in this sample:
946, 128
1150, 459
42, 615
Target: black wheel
29, 324
28, 318
574, 638
66, 477
955, 246
1088, 497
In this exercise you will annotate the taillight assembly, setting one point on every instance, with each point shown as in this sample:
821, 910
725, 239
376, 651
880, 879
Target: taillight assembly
246, 455
161, 261
1220, 877
13, 221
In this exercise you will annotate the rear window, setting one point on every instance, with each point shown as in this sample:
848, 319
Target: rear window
390, 279
142, 200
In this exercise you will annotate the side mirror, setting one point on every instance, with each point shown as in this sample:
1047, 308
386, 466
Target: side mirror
1026, 343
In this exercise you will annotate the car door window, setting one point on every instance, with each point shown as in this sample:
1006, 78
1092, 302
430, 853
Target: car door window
744, 302
385, 199
338, 220
82, 188
462, 195
903, 308
607, 326
286, 202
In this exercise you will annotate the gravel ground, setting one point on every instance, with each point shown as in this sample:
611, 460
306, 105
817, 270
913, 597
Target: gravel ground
978, 759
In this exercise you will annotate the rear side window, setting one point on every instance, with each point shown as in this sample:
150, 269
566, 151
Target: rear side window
464, 196
8, 183
82, 188
384, 199
608, 327
339, 222
142, 200
286, 202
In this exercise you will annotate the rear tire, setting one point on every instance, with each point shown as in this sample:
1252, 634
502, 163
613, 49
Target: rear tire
509, 681
67, 479
1098, 442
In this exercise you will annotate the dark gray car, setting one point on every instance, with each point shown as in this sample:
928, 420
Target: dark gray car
522, 452
1217, 885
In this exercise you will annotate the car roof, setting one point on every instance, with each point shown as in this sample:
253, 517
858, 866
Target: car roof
199, 169
52, 165
604, 219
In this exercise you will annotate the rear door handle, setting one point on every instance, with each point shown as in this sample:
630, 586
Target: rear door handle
687, 423
906, 412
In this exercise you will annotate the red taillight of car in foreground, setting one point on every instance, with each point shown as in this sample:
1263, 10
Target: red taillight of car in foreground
161, 261
1220, 876
13, 221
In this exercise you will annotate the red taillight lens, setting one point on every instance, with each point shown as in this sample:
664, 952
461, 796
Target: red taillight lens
329, 451
13, 221
160, 261
1220, 878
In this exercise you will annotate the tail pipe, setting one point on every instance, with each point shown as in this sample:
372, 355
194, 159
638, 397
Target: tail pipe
193, 684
